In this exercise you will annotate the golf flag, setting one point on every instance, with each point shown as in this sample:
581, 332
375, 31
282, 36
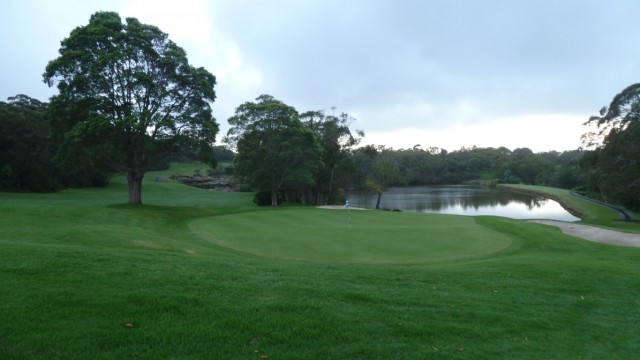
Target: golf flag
346, 205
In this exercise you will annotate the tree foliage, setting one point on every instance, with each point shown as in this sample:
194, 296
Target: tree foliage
81, 161
614, 166
275, 151
433, 166
337, 141
26, 150
136, 90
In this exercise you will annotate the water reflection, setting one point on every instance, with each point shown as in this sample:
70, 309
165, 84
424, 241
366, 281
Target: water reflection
465, 200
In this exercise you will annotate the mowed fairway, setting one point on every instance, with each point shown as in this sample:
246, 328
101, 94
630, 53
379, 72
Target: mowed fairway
311, 234
196, 274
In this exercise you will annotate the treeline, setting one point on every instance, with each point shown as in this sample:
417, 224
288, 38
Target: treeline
314, 158
486, 166
373, 169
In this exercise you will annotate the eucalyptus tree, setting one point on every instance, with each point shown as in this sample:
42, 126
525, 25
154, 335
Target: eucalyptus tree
337, 141
139, 91
615, 164
275, 151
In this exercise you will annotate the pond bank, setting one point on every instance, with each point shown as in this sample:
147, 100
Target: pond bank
624, 215
559, 200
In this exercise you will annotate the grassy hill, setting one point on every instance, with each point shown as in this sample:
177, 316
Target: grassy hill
203, 274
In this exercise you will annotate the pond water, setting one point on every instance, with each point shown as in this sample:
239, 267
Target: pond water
464, 200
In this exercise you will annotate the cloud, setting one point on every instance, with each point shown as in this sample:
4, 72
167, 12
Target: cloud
192, 25
536, 132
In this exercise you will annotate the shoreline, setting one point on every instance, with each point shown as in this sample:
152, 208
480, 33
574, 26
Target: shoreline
568, 208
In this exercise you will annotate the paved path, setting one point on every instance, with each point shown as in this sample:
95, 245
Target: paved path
593, 233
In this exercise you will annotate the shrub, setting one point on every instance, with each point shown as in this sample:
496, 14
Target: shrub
263, 198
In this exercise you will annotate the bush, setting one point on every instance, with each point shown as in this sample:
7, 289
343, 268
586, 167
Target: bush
263, 198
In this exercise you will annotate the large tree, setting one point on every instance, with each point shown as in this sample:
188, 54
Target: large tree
138, 89
275, 151
615, 164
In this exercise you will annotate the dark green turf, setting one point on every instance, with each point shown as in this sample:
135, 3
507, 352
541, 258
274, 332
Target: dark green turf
196, 274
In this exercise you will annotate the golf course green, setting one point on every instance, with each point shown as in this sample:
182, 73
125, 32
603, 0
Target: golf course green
310, 234
199, 274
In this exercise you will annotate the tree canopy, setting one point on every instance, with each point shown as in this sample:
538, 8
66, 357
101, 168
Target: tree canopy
337, 141
614, 167
274, 149
26, 161
136, 89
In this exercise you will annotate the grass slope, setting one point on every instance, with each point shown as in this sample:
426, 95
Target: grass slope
200, 274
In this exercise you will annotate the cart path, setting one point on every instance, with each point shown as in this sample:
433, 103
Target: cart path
593, 233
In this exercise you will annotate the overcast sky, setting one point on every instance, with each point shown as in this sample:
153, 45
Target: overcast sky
438, 73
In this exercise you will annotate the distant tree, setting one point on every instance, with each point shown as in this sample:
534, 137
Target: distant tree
376, 169
567, 170
223, 153
615, 164
528, 167
26, 152
384, 172
139, 91
275, 151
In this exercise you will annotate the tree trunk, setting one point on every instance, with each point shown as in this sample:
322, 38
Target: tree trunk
330, 194
378, 202
274, 196
134, 179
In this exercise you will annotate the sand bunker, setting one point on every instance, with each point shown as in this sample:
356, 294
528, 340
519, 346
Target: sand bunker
338, 207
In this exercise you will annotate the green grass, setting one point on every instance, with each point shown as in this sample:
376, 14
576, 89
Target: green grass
202, 274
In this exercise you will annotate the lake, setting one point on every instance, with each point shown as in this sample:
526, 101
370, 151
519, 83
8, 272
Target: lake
464, 200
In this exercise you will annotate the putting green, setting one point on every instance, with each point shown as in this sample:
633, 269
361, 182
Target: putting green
320, 235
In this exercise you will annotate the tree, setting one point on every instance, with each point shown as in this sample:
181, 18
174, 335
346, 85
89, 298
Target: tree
223, 154
139, 90
613, 168
80, 161
275, 151
615, 164
384, 172
376, 169
26, 151
336, 140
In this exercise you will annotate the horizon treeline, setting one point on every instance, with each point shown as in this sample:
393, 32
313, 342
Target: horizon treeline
37, 158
